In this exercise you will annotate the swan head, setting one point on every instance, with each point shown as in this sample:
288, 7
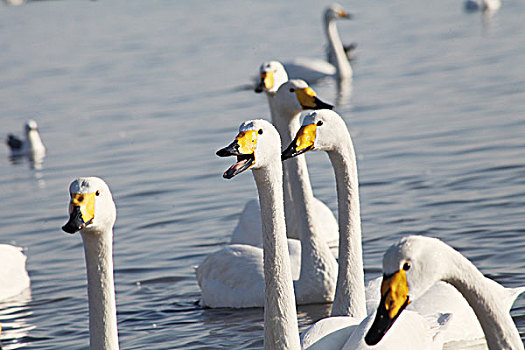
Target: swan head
410, 267
295, 96
321, 131
271, 75
257, 145
31, 125
91, 207
336, 11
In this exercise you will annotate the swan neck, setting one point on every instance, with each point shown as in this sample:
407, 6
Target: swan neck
35, 142
280, 316
344, 70
286, 127
488, 305
101, 290
350, 291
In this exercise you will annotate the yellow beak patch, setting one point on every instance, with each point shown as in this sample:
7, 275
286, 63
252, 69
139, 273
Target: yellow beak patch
266, 79
396, 290
247, 141
306, 97
305, 137
86, 202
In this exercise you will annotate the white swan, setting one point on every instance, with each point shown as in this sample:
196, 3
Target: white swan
285, 109
13, 275
233, 276
31, 144
93, 213
482, 5
325, 130
313, 70
415, 263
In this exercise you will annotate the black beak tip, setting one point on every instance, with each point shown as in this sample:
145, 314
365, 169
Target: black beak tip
223, 152
69, 228
258, 89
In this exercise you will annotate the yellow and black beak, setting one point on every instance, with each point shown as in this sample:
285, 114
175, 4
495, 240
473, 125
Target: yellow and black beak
394, 299
303, 142
265, 82
308, 99
344, 14
81, 212
243, 147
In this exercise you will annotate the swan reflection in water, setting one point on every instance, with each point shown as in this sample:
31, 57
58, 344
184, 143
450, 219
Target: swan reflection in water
14, 314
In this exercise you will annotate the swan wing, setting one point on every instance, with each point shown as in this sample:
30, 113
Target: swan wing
329, 333
310, 70
232, 277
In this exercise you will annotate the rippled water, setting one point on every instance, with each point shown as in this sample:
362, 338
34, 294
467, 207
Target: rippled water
142, 93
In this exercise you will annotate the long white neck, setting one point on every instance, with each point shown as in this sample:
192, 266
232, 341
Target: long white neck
280, 316
318, 265
35, 142
344, 70
101, 290
350, 291
286, 137
492, 313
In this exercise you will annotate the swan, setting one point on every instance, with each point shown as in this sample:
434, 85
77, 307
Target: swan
482, 5
313, 70
234, 275
93, 213
285, 109
325, 130
31, 144
258, 146
415, 263
13, 275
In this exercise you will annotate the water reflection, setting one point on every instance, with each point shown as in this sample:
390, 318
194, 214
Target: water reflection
14, 317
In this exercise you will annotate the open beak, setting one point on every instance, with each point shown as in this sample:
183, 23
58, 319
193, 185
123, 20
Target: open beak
303, 142
81, 212
308, 99
265, 82
394, 299
244, 148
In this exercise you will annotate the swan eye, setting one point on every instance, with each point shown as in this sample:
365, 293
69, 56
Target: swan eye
292, 90
81, 198
319, 123
260, 131
97, 193
406, 266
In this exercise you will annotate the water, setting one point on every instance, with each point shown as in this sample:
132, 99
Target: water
142, 94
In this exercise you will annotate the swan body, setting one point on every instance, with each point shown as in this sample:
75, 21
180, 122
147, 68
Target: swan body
482, 5
13, 275
410, 269
313, 70
93, 213
325, 130
31, 144
257, 146
222, 276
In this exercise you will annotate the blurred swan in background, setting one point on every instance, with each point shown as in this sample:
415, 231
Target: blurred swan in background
312, 70
482, 5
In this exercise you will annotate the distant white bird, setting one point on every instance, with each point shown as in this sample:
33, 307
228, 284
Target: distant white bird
13, 275
312, 70
482, 5
32, 144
